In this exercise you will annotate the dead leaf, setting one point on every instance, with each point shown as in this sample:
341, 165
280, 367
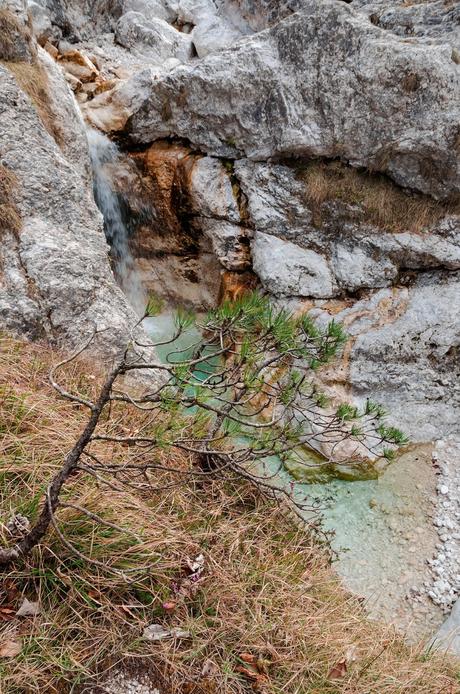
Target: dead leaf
7, 614
10, 648
247, 672
256, 670
248, 658
260, 682
28, 609
339, 670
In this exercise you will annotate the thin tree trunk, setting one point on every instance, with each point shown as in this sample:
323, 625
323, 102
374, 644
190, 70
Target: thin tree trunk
38, 531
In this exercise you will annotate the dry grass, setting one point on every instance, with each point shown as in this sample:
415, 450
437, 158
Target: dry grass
375, 199
12, 35
9, 215
266, 589
33, 80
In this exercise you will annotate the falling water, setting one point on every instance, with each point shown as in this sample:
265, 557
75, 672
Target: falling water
104, 154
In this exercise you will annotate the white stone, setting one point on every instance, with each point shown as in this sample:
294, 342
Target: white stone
153, 37
211, 190
287, 270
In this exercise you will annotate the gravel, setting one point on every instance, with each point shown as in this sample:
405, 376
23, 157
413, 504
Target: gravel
445, 587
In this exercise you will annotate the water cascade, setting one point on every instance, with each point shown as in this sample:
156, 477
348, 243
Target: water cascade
104, 157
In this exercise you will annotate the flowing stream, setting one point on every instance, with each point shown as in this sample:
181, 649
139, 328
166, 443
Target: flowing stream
383, 532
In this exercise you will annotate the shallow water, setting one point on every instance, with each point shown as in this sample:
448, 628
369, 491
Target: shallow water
383, 535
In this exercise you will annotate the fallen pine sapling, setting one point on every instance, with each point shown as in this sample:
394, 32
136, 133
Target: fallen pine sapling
242, 394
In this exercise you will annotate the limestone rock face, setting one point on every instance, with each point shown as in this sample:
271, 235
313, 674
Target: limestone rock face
55, 277
288, 270
260, 14
211, 190
392, 106
404, 353
410, 355
354, 250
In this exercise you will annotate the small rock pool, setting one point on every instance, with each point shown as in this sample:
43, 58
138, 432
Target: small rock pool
383, 531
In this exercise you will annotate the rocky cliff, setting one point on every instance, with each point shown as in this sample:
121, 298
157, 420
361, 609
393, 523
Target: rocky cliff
309, 148
55, 278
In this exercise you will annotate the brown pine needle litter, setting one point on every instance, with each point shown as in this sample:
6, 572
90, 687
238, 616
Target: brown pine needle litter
262, 612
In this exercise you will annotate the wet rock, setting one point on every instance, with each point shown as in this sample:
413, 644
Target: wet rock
174, 249
111, 110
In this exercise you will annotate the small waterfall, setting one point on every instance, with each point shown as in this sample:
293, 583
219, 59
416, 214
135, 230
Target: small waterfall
104, 155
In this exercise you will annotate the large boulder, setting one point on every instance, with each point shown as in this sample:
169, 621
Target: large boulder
153, 37
324, 82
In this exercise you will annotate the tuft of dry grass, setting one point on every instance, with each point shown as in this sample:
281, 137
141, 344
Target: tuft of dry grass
267, 590
15, 39
378, 201
33, 80
9, 215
